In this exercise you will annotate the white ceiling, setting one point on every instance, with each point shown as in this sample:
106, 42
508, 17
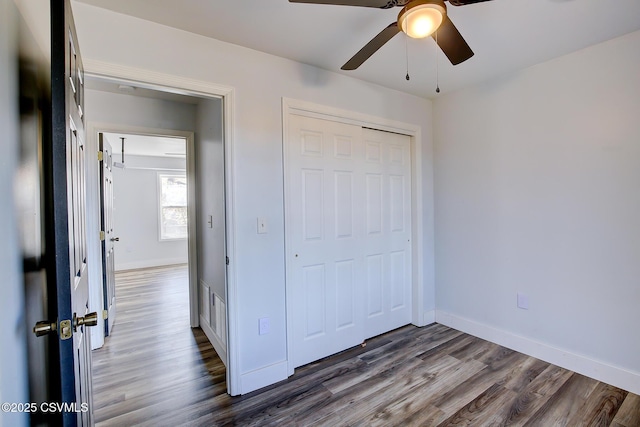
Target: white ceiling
146, 145
506, 35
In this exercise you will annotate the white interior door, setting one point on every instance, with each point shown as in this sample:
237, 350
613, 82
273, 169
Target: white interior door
348, 235
109, 238
323, 230
387, 247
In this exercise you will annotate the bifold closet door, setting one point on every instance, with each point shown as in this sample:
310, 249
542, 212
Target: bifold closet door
348, 231
387, 234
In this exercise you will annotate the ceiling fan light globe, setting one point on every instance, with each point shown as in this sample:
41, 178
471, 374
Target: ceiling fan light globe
424, 25
422, 19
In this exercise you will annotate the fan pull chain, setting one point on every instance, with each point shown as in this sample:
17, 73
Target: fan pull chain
437, 67
406, 52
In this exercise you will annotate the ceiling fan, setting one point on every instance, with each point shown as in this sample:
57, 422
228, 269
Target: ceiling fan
417, 19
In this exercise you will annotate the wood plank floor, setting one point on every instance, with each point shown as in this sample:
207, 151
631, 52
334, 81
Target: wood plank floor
156, 371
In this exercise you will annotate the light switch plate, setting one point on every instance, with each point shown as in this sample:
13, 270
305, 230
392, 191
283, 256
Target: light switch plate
263, 326
262, 225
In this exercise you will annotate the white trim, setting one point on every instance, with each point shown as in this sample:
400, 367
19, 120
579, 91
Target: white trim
263, 377
598, 370
181, 85
149, 79
93, 223
150, 263
217, 344
96, 295
233, 349
324, 112
192, 233
429, 317
167, 170
217, 340
308, 109
417, 230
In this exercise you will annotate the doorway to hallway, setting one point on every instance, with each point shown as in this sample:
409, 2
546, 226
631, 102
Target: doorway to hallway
154, 367
143, 207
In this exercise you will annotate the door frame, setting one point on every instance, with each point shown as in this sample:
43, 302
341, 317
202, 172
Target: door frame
149, 79
308, 109
97, 295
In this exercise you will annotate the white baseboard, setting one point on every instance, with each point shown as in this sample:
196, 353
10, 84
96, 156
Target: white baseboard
147, 263
218, 345
429, 317
600, 371
263, 377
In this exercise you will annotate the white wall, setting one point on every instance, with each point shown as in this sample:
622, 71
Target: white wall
131, 110
135, 214
13, 381
210, 195
537, 179
209, 153
260, 82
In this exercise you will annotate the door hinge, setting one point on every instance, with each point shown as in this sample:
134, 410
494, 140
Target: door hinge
102, 235
105, 314
100, 156
227, 260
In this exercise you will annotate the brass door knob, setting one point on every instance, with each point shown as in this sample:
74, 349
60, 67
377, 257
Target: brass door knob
91, 319
44, 327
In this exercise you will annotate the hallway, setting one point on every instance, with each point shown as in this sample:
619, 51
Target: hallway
154, 366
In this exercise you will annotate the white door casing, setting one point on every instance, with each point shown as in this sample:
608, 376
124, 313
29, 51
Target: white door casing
348, 234
106, 226
96, 292
161, 81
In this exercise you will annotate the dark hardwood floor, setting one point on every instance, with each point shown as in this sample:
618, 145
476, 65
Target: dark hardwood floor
156, 371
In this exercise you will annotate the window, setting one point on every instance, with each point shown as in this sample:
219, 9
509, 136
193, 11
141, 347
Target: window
173, 206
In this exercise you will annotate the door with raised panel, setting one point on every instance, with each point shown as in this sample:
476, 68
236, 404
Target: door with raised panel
323, 230
387, 218
107, 236
67, 204
348, 195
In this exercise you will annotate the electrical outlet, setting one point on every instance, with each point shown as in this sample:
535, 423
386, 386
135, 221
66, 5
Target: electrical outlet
263, 326
523, 301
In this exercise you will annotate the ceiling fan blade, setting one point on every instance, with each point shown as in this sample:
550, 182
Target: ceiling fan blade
361, 3
465, 2
370, 48
452, 43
